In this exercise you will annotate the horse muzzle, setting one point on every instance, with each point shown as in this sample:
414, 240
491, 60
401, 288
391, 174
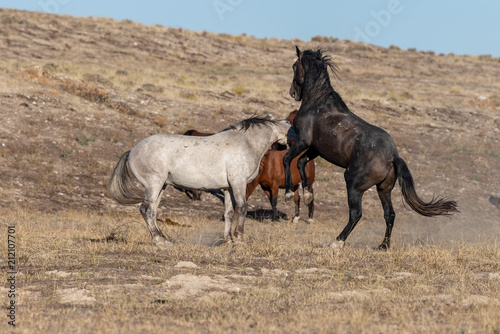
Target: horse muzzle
295, 93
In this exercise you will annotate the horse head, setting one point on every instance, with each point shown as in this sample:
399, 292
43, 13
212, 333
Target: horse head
310, 74
298, 77
280, 129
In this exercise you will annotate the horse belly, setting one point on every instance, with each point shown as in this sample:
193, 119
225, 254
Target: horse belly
336, 160
196, 178
334, 154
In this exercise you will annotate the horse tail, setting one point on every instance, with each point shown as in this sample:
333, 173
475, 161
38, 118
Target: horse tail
436, 207
121, 186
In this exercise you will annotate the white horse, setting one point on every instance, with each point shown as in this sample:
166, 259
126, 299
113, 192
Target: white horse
228, 160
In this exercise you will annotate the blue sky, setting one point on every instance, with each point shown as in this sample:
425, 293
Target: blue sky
461, 26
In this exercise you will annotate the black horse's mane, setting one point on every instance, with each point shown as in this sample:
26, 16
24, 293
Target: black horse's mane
318, 64
322, 61
249, 122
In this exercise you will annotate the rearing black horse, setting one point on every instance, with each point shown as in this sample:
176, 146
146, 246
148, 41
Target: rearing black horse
325, 127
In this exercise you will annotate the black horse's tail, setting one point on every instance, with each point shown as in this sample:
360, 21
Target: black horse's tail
436, 207
122, 187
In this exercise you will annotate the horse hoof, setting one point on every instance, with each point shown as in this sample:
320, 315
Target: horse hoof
289, 195
226, 241
308, 197
296, 219
310, 221
384, 246
337, 245
237, 237
162, 242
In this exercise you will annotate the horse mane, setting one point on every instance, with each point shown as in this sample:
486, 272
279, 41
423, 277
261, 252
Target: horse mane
249, 122
318, 64
322, 61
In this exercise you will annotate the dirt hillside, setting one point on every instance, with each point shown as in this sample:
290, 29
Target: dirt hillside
75, 93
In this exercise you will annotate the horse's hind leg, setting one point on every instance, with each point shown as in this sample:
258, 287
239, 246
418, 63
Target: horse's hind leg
384, 193
309, 155
197, 195
272, 194
356, 186
296, 199
311, 210
354, 197
149, 208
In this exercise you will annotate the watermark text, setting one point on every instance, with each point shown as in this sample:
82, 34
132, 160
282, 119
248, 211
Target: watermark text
223, 6
11, 274
381, 19
52, 6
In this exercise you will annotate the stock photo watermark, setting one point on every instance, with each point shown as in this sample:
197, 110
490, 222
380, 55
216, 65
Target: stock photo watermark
381, 19
223, 6
52, 6
11, 274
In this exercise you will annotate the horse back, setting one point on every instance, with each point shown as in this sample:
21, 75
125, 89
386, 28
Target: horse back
191, 162
341, 137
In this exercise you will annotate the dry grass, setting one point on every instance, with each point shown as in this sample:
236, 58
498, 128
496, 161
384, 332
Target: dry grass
76, 87
279, 280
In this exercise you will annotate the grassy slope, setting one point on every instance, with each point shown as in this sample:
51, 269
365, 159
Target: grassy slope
108, 84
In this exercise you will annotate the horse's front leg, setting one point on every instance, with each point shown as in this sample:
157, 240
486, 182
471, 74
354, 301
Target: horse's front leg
239, 193
309, 155
228, 215
298, 147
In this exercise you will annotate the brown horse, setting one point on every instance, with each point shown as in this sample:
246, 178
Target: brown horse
193, 132
272, 178
292, 115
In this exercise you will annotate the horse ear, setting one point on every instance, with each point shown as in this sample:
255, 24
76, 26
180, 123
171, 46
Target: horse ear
299, 53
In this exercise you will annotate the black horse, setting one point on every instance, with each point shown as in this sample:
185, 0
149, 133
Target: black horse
325, 127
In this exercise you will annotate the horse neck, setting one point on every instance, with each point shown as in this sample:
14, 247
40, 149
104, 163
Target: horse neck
260, 140
319, 90
316, 86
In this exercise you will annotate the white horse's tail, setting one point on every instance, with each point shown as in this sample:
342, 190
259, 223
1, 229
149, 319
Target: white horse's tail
122, 187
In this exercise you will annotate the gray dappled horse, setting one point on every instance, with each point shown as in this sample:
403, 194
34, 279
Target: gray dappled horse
228, 160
